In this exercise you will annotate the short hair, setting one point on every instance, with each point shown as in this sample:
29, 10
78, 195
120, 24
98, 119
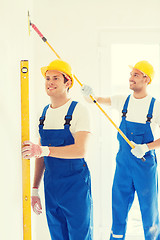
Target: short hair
65, 79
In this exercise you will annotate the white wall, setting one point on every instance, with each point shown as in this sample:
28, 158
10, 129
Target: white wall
14, 46
72, 28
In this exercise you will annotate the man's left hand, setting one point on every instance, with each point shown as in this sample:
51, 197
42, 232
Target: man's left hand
139, 150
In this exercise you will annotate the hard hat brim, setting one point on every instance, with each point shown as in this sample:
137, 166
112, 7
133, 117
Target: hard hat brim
130, 66
45, 69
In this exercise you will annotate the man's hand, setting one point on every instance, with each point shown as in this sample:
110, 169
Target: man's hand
34, 150
87, 90
36, 202
139, 150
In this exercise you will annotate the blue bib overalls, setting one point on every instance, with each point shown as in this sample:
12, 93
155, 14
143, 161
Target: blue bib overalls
67, 186
132, 174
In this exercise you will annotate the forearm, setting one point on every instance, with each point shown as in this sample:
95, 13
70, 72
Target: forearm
70, 151
154, 145
101, 100
89, 99
39, 169
76, 150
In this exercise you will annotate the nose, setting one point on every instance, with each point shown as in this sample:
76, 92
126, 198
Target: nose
50, 82
131, 78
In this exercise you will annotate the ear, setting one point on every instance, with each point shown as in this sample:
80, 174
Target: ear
68, 83
147, 80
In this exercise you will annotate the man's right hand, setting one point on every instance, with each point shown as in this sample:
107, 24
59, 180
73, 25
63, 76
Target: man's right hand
36, 202
86, 90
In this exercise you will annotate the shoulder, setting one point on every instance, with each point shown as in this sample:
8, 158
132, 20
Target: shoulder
81, 109
44, 109
117, 101
81, 113
157, 106
118, 97
81, 118
81, 105
156, 111
157, 102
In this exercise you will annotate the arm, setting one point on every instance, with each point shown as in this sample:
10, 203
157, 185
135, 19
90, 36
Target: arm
76, 150
106, 101
38, 172
154, 145
140, 149
101, 100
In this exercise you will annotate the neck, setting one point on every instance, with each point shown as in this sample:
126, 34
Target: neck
140, 94
58, 101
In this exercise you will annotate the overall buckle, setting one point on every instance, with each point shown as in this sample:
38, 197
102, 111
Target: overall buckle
124, 113
42, 120
149, 117
68, 118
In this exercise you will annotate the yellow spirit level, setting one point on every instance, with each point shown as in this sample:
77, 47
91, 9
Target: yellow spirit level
25, 162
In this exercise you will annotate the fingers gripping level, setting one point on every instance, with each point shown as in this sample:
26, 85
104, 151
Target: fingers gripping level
34, 150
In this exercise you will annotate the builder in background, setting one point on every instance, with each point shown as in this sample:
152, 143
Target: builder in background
140, 116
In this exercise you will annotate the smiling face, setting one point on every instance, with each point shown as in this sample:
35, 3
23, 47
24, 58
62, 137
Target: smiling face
55, 84
138, 81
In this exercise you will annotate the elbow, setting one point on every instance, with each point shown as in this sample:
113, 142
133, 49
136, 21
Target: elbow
81, 151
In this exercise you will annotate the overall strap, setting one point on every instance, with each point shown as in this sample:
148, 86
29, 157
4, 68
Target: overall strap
68, 117
125, 107
150, 111
42, 118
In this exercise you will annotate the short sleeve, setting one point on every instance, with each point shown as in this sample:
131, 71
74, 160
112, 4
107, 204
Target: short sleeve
81, 116
117, 102
156, 113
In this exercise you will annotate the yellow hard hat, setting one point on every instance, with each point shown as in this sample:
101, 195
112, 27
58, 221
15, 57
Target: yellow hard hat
146, 68
59, 66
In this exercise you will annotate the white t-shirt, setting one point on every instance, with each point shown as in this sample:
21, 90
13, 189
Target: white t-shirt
80, 118
138, 109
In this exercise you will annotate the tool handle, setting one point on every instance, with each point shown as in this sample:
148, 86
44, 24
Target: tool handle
38, 32
122, 134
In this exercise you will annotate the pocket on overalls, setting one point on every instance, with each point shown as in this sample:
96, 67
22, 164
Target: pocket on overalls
151, 158
86, 175
83, 171
55, 142
138, 137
